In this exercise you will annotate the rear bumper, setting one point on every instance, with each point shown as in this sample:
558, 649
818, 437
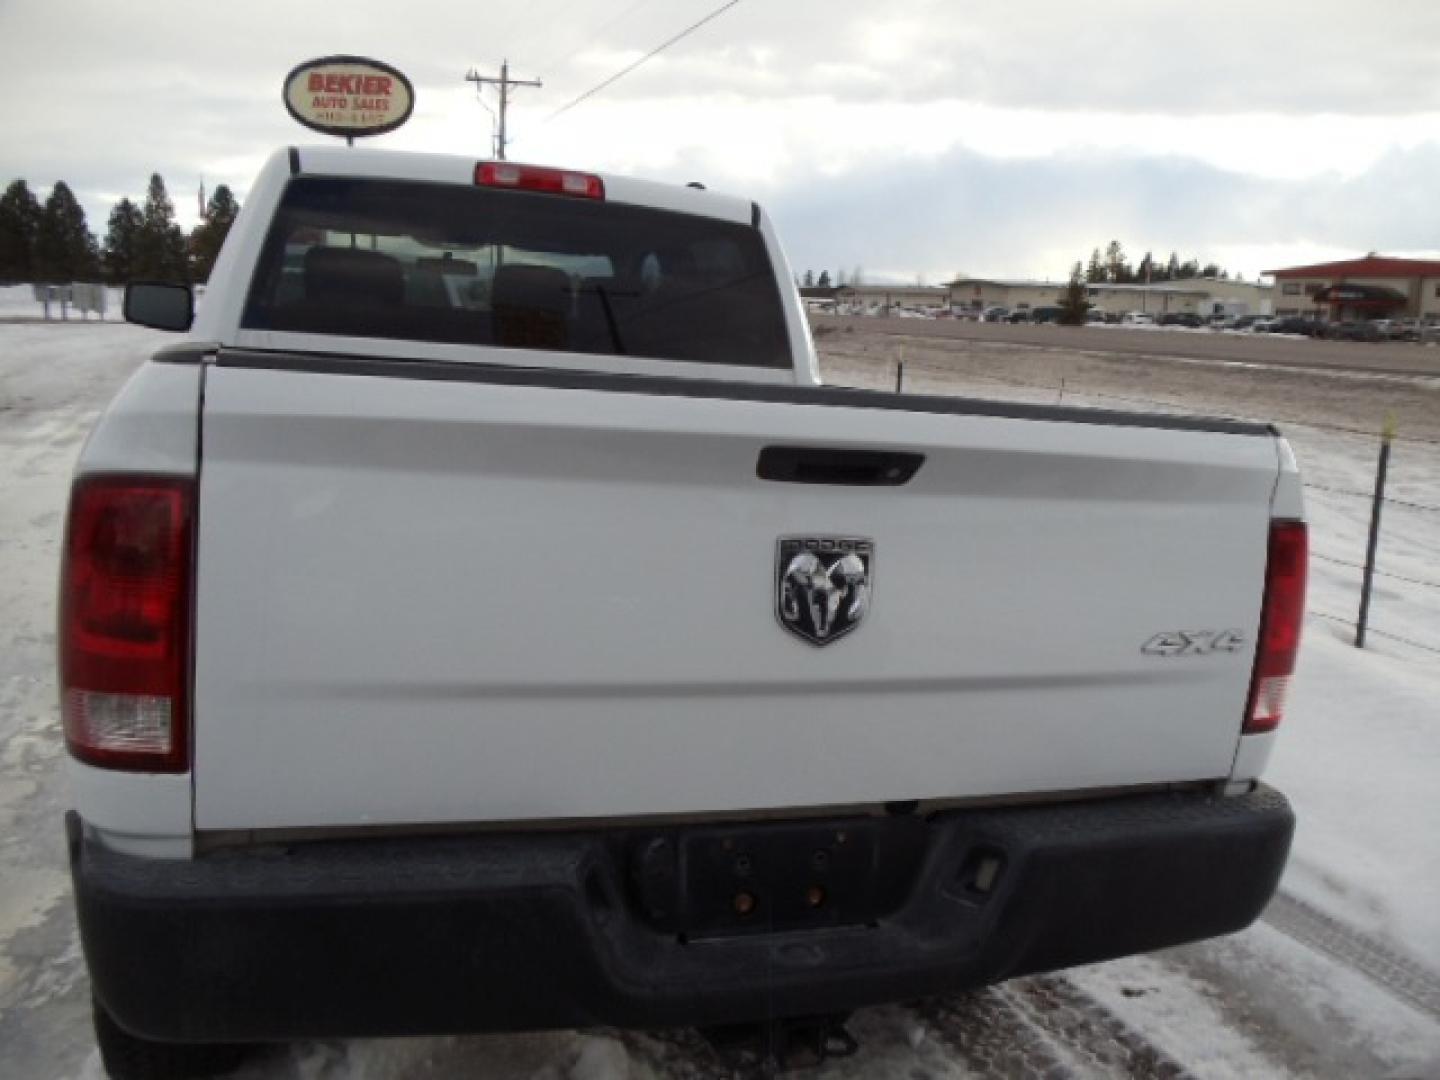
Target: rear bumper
509, 932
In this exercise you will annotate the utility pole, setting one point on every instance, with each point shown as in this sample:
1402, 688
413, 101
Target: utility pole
504, 82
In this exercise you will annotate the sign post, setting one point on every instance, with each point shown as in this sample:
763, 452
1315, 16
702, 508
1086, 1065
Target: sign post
348, 96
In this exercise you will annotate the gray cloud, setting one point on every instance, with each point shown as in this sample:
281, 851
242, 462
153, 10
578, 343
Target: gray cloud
101, 95
1226, 56
968, 212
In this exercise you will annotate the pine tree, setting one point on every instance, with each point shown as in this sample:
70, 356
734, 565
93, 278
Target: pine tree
824, 280
20, 215
65, 249
121, 240
809, 279
1116, 269
1075, 302
209, 235
1096, 270
160, 248
1146, 270
1172, 268
1210, 270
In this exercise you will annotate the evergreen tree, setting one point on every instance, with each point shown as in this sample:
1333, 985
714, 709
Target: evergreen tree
1172, 268
210, 234
1116, 269
1095, 272
824, 281
1075, 302
20, 215
121, 240
1190, 268
809, 279
1210, 270
160, 250
65, 250
1146, 270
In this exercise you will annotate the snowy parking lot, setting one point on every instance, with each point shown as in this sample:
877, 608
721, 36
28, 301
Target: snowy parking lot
1338, 979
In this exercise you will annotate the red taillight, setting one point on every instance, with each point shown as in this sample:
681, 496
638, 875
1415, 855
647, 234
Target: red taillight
125, 622
504, 174
1280, 623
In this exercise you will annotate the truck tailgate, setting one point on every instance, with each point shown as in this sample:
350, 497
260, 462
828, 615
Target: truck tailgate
422, 600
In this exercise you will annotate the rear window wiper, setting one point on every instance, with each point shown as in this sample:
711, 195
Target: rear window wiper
616, 343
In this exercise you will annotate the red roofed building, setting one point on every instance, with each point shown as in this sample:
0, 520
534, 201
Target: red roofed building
1374, 287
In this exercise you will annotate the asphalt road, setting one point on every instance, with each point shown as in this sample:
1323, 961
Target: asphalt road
1392, 358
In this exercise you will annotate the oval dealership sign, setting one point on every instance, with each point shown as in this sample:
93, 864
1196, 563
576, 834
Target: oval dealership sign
349, 95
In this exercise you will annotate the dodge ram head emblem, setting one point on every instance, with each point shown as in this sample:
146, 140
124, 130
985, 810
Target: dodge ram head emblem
822, 585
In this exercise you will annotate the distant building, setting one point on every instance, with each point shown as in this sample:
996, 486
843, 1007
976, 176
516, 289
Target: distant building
1196, 296
867, 298
1373, 287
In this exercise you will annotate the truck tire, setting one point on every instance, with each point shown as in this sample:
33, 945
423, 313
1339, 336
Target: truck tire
129, 1057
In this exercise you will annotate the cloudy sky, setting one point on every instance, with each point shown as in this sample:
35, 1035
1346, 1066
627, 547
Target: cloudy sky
912, 139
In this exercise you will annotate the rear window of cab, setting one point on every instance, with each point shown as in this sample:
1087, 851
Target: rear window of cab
521, 270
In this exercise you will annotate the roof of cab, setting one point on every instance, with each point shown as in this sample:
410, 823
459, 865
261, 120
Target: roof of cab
455, 169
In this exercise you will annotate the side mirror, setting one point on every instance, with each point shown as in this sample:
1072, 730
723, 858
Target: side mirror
159, 306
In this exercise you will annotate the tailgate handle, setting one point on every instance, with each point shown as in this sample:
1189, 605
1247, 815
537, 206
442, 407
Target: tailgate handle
833, 465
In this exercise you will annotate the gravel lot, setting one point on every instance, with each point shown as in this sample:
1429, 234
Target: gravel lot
1280, 349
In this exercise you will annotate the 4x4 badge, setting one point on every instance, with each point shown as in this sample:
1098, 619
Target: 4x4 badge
823, 585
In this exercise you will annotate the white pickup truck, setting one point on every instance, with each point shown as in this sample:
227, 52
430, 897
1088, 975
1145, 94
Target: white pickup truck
484, 620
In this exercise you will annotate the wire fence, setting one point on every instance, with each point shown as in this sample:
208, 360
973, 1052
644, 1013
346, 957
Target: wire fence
1346, 620
909, 368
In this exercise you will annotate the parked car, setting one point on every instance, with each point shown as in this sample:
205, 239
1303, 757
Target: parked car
1403, 329
414, 688
1180, 318
1138, 318
1352, 330
1095, 315
1020, 315
995, 314
1046, 314
1298, 324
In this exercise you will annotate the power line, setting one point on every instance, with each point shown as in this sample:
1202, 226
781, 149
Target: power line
590, 37
652, 53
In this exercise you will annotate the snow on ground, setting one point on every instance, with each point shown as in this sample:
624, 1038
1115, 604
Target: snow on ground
1360, 760
1359, 756
1258, 1003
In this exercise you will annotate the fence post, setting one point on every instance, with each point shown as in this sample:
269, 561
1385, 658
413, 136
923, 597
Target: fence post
900, 376
1387, 435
